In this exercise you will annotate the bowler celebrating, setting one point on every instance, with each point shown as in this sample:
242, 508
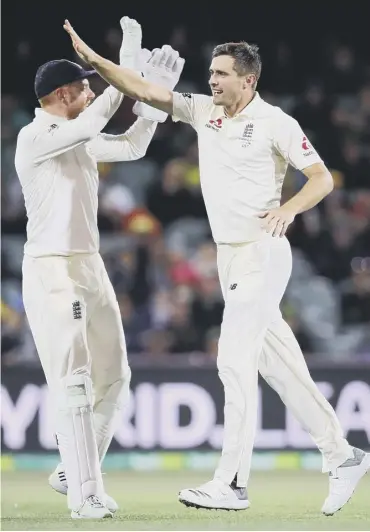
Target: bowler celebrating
245, 146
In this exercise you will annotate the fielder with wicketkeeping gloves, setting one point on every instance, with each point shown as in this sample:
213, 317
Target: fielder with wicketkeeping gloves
69, 300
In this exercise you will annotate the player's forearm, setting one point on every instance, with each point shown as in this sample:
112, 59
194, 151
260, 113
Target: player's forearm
130, 146
132, 84
133, 144
123, 79
318, 186
140, 136
103, 108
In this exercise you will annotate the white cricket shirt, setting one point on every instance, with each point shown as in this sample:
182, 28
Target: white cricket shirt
243, 161
56, 162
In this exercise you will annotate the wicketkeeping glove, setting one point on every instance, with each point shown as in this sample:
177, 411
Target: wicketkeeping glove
129, 54
163, 67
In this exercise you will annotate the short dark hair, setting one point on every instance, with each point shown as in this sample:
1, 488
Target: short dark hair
247, 57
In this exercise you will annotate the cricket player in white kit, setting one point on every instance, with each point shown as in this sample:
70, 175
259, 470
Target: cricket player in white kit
69, 300
245, 146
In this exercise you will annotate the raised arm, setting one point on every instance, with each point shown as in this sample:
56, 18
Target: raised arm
158, 66
53, 141
123, 79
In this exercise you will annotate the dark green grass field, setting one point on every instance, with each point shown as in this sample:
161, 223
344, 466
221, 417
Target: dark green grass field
148, 501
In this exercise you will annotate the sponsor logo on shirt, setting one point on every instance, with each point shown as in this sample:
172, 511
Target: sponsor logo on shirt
307, 148
216, 125
186, 95
305, 144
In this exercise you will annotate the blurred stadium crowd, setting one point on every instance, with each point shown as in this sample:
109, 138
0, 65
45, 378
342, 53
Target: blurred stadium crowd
154, 232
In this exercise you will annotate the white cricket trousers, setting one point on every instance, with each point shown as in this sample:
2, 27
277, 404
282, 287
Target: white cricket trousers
75, 320
255, 338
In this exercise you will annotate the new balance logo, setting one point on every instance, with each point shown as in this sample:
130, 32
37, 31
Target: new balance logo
77, 311
233, 286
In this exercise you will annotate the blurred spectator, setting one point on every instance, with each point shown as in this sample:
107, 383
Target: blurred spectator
205, 260
279, 72
116, 203
154, 230
184, 336
364, 115
135, 321
294, 321
157, 342
207, 307
161, 309
355, 301
343, 74
356, 167
313, 112
210, 346
170, 199
180, 269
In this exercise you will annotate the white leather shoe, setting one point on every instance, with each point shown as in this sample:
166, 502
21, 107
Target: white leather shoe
92, 508
216, 495
58, 482
343, 481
